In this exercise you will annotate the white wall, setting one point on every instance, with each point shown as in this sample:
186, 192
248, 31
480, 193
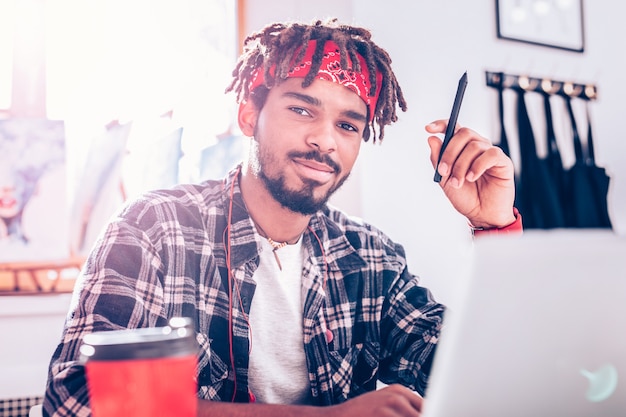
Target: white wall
432, 43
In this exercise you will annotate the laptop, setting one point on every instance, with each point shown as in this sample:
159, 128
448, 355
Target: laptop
539, 331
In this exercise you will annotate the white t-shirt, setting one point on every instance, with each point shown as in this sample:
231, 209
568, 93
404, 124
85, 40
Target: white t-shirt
278, 372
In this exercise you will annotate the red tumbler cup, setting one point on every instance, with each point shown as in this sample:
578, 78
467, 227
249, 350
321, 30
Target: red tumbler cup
142, 372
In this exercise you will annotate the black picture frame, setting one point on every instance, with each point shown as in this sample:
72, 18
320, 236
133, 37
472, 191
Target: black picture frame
555, 24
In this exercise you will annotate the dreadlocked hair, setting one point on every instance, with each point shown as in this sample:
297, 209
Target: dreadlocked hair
276, 44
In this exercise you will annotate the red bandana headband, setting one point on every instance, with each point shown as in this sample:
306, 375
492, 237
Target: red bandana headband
330, 70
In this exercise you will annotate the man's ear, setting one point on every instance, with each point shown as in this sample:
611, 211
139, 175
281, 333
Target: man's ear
247, 117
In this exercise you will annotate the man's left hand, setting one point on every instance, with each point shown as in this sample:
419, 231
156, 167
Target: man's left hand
477, 177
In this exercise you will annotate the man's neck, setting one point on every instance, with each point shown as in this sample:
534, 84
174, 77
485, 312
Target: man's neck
271, 218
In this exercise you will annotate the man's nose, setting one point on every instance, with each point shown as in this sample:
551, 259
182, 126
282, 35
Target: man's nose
323, 137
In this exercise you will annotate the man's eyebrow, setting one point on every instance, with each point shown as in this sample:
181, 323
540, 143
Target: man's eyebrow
355, 115
304, 97
315, 102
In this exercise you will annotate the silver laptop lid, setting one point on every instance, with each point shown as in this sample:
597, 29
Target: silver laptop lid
541, 330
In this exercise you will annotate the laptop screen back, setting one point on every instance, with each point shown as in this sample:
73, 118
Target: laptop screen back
540, 330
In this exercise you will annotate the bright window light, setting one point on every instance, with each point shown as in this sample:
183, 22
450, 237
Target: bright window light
7, 11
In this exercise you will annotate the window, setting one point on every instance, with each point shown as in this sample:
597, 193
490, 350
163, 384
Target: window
137, 85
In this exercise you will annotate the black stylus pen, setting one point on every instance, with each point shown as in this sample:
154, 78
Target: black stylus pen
452, 121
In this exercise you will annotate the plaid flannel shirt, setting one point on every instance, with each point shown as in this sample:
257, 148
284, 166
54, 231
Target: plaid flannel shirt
164, 255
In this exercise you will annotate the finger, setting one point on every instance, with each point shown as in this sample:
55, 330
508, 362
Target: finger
492, 158
442, 168
462, 149
463, 167
416, 400
435, 143
413, 399
445, 162
438, 126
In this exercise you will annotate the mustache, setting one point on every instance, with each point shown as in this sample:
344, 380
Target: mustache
317, 156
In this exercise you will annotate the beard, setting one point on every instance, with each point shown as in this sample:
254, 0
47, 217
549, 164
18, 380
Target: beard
301, 200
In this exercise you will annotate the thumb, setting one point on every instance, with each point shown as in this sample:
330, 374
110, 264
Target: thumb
435, 147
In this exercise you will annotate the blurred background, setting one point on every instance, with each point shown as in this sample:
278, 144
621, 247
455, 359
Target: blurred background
128, 96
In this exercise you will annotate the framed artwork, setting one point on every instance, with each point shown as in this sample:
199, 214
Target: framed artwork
552, 23
33, 209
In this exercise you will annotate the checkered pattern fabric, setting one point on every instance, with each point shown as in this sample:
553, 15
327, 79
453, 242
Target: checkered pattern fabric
18, 407
185, 250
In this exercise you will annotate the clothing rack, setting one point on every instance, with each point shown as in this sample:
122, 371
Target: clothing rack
541, 85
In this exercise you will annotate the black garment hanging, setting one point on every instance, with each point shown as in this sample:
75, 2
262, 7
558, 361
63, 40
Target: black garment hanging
537, 196
504, 141
554, 163
587, 184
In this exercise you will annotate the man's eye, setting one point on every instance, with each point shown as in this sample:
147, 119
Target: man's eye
299, 110
348, 126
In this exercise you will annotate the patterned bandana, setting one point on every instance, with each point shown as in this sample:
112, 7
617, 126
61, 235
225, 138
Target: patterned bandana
330, 70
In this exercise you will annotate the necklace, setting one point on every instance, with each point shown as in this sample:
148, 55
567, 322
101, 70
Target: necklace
275, 247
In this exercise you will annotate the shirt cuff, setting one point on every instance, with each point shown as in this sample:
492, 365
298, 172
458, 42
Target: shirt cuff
515, 228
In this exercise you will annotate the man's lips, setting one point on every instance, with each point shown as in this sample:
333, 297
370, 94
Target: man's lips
316, 160
314, 166
318, 166
316, 172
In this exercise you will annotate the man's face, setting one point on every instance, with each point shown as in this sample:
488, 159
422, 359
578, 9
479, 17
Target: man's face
307, 141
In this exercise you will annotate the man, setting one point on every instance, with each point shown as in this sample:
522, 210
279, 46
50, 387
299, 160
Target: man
296, 305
